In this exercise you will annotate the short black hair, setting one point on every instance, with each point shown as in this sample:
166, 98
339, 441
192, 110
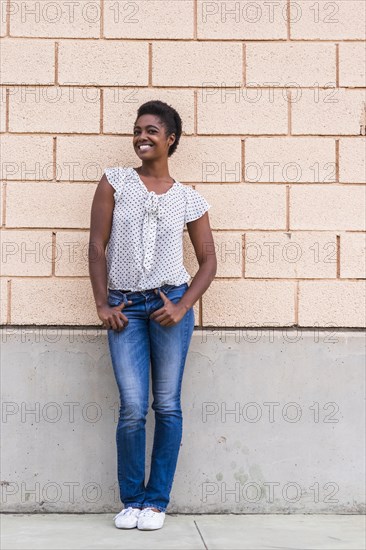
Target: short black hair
169, 118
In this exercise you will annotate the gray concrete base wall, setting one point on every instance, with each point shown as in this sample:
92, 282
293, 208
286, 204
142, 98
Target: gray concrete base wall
274, 422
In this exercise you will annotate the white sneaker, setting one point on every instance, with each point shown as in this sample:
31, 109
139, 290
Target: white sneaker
127, 518
149, 519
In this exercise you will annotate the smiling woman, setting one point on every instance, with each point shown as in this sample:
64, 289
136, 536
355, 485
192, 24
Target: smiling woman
142, 296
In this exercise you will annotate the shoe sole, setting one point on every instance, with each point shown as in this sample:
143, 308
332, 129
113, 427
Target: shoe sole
149, 528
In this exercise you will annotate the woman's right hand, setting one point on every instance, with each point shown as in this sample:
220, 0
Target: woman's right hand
112, 316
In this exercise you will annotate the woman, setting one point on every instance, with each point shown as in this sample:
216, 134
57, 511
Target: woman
142, 297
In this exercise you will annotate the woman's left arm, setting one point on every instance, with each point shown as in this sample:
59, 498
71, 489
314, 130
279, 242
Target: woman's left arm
201, 236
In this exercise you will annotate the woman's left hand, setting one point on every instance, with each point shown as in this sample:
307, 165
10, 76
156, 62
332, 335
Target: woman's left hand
170, 313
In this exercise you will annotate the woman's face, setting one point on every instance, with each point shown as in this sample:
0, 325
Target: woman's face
150, 132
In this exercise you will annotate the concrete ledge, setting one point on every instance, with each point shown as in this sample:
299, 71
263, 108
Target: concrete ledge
273, 422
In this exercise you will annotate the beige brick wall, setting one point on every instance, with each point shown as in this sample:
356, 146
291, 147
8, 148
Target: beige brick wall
273, 101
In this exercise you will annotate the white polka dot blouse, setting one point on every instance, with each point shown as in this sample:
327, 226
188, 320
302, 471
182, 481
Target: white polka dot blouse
145, 248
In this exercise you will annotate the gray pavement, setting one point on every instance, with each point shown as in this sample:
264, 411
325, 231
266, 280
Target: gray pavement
196, 532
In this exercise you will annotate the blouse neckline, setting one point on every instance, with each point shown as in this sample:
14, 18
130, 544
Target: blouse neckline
153, 192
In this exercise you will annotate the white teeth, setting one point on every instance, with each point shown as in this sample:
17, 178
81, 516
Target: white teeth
143, 147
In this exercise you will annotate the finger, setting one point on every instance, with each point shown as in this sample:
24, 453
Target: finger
118, 321
115, 324
123, 304
162, 295
161, 317
124, 319
156, 313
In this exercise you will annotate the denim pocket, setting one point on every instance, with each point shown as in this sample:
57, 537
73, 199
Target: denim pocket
174, 293
116, 297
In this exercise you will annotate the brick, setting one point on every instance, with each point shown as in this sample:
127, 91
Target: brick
27, 61
241, 111
2, 201
352, 160
26, 253
103, 63
229, 254
241, 206
331, 303
121, 104
85, 158
72, 253
249, 303
353, 255
293, 64
200, 159
331, 112
3, 19
59, 302
3, 301
290, 255
58, 18
56, 110
327, 207
242, 20
26, 157
152, 19
290, 160
3, 110
63, 205
324, 20
200, 63
352, 64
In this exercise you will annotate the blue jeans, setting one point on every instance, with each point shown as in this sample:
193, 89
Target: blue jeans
142, 342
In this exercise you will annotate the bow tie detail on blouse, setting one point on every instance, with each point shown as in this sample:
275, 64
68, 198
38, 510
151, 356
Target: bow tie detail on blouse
153, 211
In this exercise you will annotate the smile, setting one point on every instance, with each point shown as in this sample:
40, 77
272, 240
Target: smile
144, 147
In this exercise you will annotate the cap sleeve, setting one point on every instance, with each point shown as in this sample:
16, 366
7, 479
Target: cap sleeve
196, 205
115, 177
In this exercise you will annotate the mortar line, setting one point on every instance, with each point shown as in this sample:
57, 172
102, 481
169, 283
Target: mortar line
338, 245
195, 19
101, 27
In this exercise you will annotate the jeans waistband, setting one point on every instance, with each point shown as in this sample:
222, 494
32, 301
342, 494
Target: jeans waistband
165, 288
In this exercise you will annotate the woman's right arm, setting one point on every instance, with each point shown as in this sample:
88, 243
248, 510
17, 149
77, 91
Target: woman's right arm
100, 229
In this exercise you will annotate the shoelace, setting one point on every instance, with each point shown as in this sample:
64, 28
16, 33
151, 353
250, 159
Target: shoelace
147, 512
125, 512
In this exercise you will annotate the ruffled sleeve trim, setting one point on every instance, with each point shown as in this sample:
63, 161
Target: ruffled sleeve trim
196, 205
115, 176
